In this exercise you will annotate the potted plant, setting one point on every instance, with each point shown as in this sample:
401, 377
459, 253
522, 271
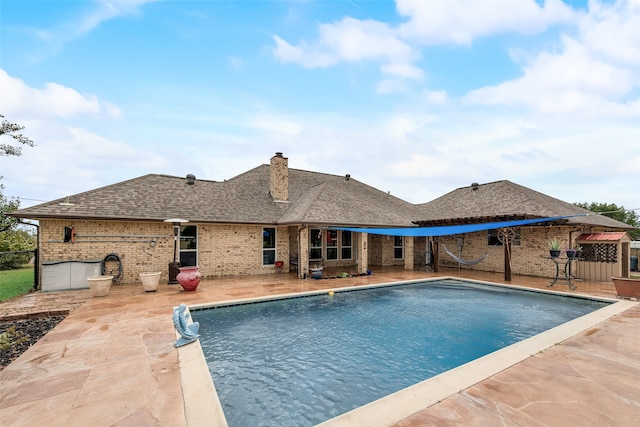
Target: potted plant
555, 246
571, 253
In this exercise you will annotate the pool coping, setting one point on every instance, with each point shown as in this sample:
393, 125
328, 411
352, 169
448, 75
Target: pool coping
203, 407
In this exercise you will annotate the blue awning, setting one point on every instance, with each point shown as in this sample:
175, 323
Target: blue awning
449, 230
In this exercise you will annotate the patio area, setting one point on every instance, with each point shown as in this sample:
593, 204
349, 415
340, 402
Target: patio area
111, 362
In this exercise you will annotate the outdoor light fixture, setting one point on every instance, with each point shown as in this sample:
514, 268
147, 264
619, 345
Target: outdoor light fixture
174, 266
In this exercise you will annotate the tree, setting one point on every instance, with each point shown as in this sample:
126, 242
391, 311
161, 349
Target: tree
12, 129
618, 213
6, 206
11, 237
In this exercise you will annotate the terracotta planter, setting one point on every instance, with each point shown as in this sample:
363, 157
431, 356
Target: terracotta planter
627, 288
100, 285
189, 278
150, 281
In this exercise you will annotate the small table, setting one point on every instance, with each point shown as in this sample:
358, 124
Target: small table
566, 269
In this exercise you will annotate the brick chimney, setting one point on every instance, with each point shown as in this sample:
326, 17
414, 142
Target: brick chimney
279, 186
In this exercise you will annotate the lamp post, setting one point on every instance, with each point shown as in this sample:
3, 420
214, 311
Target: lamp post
175, 264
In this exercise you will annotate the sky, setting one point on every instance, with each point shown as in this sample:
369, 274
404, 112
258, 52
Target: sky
415, 98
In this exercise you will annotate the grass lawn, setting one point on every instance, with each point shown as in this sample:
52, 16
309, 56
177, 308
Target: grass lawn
15, 282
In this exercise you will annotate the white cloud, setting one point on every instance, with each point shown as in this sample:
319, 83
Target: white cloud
401, 126
424, 167
305, 55
402, 70
565, 82
68, 160
352, 40
53, 100
437, 97
396, 49
594, 73
460, 22
612, 30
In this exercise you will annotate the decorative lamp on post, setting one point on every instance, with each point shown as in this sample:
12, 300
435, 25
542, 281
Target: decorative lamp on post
175, 264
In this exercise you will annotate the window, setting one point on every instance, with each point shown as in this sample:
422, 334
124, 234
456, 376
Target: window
332, 244
398, 247
188, 245
346, 245
336, 245
492, 237
268, 246
315, 244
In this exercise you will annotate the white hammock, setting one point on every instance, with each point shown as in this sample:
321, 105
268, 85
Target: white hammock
468, 262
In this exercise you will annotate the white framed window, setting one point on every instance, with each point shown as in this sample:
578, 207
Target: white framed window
268, 246
188, 245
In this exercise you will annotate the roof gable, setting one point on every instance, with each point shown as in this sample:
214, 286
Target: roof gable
504, 200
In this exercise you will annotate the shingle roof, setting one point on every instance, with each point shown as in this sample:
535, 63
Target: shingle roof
502, 200
314, 198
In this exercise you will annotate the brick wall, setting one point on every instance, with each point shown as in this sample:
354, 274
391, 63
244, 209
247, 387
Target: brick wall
223, 250
226, 250
526, 259
141, 246
381, 251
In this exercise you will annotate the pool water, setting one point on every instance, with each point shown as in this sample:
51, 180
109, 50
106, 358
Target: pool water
301, 361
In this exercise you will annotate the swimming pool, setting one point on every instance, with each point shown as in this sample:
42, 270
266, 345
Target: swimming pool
302, 361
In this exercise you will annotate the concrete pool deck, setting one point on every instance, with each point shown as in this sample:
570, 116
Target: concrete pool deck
111, 362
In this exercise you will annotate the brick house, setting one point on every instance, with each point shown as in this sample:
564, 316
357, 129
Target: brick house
273, 218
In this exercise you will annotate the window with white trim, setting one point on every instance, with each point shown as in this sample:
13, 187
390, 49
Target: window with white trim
268, 246
188, 245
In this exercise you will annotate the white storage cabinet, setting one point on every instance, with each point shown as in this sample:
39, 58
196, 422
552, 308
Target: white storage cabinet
66, 275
